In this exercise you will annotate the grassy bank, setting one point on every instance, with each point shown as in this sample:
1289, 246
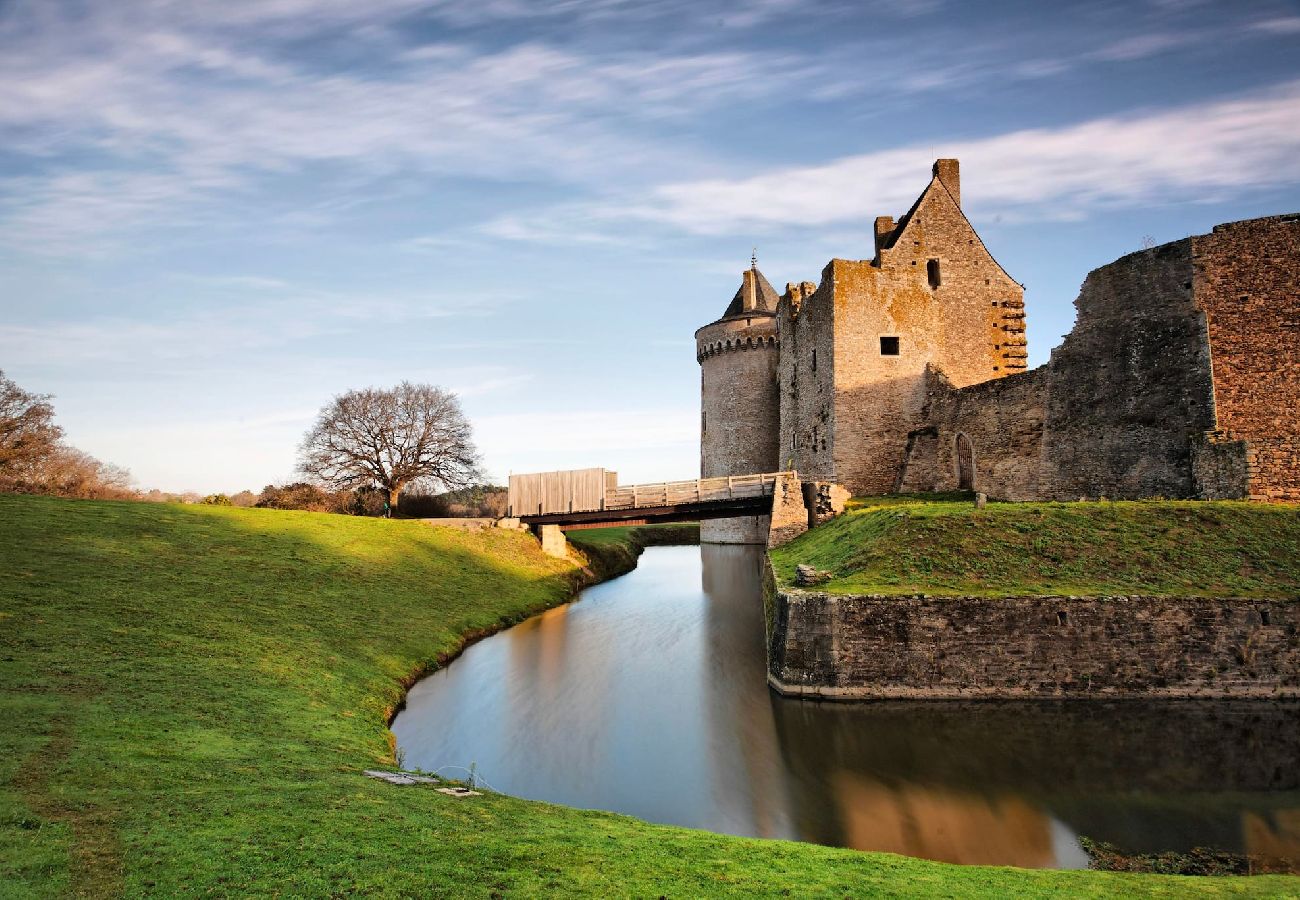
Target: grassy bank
614, 551
188, 696
946, 546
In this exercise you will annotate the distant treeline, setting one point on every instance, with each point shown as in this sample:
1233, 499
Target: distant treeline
481, 500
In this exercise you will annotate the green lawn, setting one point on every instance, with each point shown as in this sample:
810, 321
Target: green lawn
188, 696
944, 546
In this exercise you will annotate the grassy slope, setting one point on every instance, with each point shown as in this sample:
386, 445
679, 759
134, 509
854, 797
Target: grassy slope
937, 547
187, 695
614, 551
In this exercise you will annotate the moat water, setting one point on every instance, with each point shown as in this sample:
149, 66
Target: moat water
648, 696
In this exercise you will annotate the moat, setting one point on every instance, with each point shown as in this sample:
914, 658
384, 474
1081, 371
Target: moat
648, 696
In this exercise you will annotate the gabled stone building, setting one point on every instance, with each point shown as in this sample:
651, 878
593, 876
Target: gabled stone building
907, 371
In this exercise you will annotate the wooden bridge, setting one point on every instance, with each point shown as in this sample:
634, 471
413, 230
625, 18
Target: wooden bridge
592, 497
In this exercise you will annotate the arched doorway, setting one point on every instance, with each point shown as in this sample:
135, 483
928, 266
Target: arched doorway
965, 464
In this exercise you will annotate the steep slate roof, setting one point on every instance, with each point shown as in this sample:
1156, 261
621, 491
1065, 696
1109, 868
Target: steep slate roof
765, 298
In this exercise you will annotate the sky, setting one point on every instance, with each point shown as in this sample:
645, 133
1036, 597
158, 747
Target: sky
216, 216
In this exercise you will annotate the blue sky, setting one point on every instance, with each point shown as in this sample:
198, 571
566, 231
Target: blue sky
216, 216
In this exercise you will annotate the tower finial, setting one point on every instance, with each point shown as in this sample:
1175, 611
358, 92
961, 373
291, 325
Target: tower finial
753, 259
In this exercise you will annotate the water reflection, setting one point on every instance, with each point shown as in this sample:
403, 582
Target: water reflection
648, 697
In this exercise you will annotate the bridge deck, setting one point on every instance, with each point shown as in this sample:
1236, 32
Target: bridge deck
669, 501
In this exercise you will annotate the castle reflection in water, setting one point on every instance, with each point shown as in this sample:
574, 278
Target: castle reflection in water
648, 697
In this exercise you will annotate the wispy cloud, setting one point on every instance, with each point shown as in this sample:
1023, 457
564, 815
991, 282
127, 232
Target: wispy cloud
1178, 154
277, 315
1279, 25
142, 113
177, 110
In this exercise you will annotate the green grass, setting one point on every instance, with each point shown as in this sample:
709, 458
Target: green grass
614, 550
636, 535
944, 546
188, 695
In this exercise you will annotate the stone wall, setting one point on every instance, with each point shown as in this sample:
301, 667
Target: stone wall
806, 378
1129, 388
1179, 379
1019, 647
1001, 423
789, 514
1247, 280
1126, 407
739, 420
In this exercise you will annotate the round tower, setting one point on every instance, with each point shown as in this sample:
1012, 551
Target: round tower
739, 399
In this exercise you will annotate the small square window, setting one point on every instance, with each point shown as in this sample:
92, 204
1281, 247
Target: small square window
889, 346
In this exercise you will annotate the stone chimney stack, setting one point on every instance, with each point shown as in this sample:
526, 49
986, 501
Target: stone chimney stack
884, 228
749, 292
949, 172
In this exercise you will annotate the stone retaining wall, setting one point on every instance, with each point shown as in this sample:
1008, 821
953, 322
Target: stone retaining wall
869, 647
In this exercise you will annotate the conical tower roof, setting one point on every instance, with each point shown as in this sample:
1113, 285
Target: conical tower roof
764, 298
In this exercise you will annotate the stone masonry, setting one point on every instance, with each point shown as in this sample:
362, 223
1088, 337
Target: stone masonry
1246, 278
738, 418
908, 371
856, 349
1173, 383
837, 646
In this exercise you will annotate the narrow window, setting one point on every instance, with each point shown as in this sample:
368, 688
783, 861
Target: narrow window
1062, 618
814, 359
704, 420
932, 272
1263, 617
889, 346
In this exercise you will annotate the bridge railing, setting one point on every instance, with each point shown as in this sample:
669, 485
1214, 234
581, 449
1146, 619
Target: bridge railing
699, 490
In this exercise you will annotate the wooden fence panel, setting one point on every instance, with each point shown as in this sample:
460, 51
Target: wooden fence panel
574, 490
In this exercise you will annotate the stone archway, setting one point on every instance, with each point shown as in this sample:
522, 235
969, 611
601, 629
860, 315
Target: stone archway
965, 463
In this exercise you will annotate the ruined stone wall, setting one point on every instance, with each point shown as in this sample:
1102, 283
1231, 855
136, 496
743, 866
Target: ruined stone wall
1129, 389
1179, 379
888, 646
806, 323
739, 417
1002, 421
1247, 280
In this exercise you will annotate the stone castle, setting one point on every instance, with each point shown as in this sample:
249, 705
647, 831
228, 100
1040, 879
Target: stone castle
908, 371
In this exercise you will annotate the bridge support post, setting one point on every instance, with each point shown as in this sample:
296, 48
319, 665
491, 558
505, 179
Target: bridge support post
789, 514
553, 541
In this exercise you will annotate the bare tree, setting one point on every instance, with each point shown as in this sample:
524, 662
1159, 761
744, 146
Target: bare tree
27, 430
389, 439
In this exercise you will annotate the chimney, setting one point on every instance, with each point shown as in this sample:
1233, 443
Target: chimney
749, 291
949, 172
884, 230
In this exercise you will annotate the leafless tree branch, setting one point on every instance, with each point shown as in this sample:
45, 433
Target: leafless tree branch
391, 438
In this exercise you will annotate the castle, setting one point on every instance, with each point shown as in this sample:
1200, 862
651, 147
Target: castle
908, 371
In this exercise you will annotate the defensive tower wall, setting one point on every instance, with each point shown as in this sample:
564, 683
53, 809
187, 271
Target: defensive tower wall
738, 415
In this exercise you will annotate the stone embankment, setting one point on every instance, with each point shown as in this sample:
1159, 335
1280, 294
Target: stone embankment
883, 646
